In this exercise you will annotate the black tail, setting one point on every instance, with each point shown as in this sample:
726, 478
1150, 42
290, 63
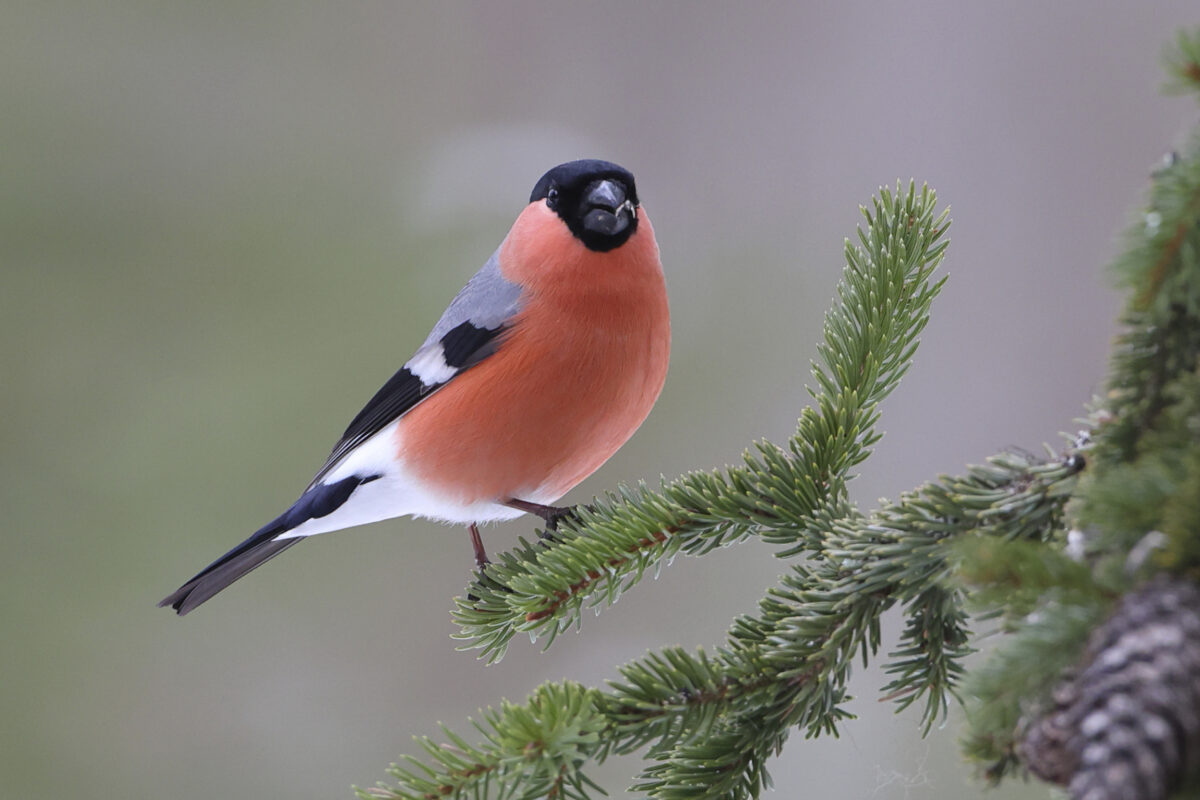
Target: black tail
250, 554
260, 548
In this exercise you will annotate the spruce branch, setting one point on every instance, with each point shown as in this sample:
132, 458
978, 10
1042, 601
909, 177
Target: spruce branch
530, 751
827, 610
709, 723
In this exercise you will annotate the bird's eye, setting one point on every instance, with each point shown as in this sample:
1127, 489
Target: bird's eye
552, 196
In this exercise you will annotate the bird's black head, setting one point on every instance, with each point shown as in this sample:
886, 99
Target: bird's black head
597, 199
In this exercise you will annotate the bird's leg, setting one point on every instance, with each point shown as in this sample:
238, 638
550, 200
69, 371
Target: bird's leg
549, 514
481, 559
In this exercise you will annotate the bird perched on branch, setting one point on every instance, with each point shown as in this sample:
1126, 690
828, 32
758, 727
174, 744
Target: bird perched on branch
542, 366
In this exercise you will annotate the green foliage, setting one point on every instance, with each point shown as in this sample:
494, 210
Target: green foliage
709, 722
1018, 576
1041, 546
1013, 684
1146, 465
1137, 506
531, 751
1182, 61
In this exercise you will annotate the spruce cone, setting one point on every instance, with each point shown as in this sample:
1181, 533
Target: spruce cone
1127, 726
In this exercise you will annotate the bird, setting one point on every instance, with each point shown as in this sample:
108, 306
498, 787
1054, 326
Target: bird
539, 370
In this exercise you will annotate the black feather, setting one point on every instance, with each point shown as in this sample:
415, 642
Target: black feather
468, 344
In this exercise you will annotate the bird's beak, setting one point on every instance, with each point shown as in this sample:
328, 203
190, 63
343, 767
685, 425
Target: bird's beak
605, 208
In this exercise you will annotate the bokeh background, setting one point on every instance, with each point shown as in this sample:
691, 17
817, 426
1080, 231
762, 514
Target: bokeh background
223, 225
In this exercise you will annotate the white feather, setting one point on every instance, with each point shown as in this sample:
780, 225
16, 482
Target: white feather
397, 493
429, 364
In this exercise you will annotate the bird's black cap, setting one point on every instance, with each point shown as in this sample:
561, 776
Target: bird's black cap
596, 199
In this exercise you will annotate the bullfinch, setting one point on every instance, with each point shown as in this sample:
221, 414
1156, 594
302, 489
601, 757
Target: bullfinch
542, 366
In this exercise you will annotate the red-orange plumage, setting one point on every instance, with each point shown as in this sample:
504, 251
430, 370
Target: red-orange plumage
575, 375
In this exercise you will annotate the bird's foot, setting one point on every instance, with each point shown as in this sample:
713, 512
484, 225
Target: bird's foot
551, 515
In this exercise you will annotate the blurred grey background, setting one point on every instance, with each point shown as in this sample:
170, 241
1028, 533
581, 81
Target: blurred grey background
223, 225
